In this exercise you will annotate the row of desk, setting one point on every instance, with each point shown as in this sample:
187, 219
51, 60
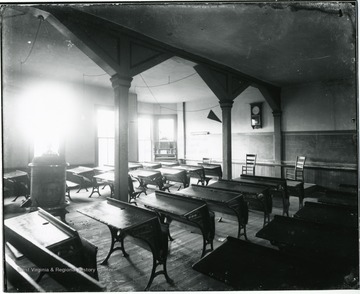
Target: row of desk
193, 205
318, 250
146, 173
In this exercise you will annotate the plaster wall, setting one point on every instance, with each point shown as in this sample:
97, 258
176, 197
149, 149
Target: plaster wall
323, 106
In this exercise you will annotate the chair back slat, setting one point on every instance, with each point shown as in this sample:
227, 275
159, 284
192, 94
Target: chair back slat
250, 163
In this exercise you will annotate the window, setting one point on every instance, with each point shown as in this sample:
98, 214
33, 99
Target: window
144, 138
166, 129
105, 136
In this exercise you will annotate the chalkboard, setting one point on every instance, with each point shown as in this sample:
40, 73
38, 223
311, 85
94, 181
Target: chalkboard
332, 147
260, 144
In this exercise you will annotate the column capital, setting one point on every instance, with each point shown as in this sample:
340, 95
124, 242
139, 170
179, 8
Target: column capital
117, 81
226, 104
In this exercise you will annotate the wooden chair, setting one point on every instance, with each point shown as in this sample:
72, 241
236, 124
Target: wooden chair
134, 192
249, 167
297, 174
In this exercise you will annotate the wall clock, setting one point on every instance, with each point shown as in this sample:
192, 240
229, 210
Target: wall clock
256, 115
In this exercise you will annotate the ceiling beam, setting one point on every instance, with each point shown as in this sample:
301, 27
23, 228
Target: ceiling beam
107, 26
272, 96
224, 85
115, 53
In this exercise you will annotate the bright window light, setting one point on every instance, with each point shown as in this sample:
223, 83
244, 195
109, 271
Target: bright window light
166, 129
46, 116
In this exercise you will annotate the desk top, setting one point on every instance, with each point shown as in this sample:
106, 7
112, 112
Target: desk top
329, 214
293, 184
144, 173
311, 237
80, 170
117, 214
239, 187
210, 166
204, 193
190, 168
37, 227
169, 163
134, 165
259, 181
248, 266
15, 174
104, 168
340, 201
170, 171
170, 203
107, 176
151, 164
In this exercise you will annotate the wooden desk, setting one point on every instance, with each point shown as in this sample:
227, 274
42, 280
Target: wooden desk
103, 169
212, 170
81, 170
52, 245
322, 213
35, 225
151, 165
256, 196
18, 183
189, 211
145, 176
340, 200
248, 266
15, 175
194, 171
175, 175
274, 184
221, 201
134, 165
86, 177
47, 231
311, 240
169, 163
296, 188
107, 178
123, 219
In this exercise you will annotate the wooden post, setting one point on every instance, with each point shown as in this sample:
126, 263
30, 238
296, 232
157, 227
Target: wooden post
226, 138
121, 86
277, 143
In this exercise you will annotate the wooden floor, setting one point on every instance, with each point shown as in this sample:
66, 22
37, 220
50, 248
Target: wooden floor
132, 273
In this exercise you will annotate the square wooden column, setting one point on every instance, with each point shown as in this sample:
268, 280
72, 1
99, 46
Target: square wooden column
277, 143
226, 138
121, 86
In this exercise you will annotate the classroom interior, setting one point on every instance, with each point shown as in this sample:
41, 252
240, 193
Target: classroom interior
196, 135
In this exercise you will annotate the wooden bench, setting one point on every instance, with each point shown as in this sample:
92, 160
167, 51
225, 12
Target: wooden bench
71, 277
43, 228
16, 278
